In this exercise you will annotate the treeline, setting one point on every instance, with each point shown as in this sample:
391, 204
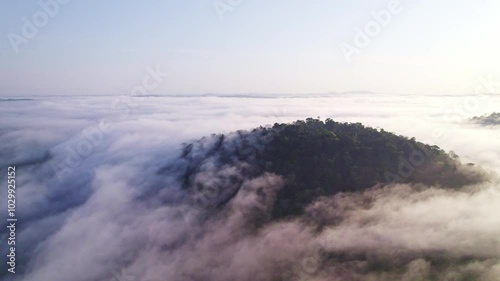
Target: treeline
323, 158
487, 120
316, 158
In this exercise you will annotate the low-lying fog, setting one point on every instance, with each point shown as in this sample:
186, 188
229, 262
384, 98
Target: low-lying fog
91, 204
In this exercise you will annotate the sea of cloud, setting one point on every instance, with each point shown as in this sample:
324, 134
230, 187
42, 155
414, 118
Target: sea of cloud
92, 204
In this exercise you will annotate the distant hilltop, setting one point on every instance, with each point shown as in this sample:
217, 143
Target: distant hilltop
487, 120
315, 159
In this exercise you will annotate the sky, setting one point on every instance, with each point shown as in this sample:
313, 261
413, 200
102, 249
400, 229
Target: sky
95, 47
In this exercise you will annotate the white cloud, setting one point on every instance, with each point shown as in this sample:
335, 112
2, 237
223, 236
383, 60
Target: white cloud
114, 210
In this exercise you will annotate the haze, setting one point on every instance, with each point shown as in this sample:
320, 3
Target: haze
285, 46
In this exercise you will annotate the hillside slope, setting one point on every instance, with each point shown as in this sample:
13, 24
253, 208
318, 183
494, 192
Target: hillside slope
487, 120
315, 158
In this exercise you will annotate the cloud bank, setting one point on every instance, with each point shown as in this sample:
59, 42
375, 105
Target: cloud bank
101, 195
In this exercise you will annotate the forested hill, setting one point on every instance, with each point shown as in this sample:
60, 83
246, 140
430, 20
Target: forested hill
315, 158
487, 120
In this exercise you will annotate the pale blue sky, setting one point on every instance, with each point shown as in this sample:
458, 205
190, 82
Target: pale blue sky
261, 46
